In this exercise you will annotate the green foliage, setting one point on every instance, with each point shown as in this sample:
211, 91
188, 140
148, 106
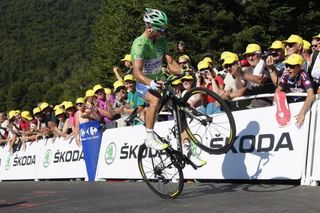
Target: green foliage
54, 50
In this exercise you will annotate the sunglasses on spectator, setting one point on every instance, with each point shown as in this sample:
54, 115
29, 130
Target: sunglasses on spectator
79, 104
274, 54
314, 45
250, 55
182, 62
290, 45
120, 89
290, 66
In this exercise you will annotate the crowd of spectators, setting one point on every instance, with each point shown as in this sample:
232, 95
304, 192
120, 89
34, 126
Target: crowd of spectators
292, 66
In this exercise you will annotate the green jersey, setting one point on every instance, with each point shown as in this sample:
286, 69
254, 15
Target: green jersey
152, 55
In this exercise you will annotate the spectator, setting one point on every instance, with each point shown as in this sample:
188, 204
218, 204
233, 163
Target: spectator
104, 107
27, 125
128, 64
4, 122
134, 100
294, 44
315, 43
121, 96
63, 128
73, 122
185, 63
306, 52
181, 50
275, 61
213, 82
13, 130
257, 77
177, 86
296, 80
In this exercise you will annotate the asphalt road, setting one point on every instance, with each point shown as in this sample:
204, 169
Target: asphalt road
80, 196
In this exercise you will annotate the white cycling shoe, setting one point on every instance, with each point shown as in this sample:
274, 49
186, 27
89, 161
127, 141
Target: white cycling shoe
156, 144
187, 150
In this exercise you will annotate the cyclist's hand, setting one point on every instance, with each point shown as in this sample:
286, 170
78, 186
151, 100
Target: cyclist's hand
155, 85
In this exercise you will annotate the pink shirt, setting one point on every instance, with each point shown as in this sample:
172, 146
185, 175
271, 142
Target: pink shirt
103, 105
73, 118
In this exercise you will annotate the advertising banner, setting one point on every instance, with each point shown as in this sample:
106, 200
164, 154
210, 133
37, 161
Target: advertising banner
61, 159
262, 149
21, 164
91, 134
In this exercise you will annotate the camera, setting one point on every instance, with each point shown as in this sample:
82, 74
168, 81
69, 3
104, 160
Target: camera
265, 54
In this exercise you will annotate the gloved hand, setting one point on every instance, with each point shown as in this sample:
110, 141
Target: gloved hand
154, 85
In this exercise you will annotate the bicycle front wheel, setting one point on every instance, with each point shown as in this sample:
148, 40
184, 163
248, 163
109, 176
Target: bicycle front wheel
161, 174
208, 120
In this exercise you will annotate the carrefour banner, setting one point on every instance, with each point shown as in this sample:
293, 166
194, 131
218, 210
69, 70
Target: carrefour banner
22, 164
61, 158
91, 134
262, 150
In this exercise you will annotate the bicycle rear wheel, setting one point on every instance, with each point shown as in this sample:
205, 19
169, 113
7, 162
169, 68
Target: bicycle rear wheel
162, 175
208, 120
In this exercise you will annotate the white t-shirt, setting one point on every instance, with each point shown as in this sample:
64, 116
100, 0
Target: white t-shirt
315, 72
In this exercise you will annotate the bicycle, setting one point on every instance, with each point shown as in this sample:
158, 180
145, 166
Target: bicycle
213, 133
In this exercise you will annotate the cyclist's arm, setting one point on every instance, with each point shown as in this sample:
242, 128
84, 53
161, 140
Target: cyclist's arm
173, 66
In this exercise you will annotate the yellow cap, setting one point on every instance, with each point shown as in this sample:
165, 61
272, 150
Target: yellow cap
80, 101
223, 55
59, 112
36, 110
127, 57
56, 107
252, 48
97, 87
12, 113
26, 115
89, 93
185, 57
316, 36
117, 84
294, 39
230, 59
277, 45
128, 77
207, 59
68, 105
187, 77
43, 105
294, 59
306, 45
203, 65
176, 82
107, 91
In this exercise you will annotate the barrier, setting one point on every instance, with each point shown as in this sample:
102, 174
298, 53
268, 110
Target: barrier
262, 151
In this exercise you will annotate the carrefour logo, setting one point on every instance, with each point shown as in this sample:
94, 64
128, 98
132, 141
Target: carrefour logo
89, 133
47, 158
110, 153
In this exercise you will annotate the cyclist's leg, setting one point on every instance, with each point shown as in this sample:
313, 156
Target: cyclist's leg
188, 149
150, 117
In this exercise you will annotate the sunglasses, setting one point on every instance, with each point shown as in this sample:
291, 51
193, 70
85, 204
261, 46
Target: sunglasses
274, 54
290, 66
314, 45
290, 45
161, 30
182, 62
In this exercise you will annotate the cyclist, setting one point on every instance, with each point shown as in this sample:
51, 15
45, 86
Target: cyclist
147, 52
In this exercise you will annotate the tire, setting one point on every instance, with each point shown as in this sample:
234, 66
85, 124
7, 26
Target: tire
167, 182
210, 126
